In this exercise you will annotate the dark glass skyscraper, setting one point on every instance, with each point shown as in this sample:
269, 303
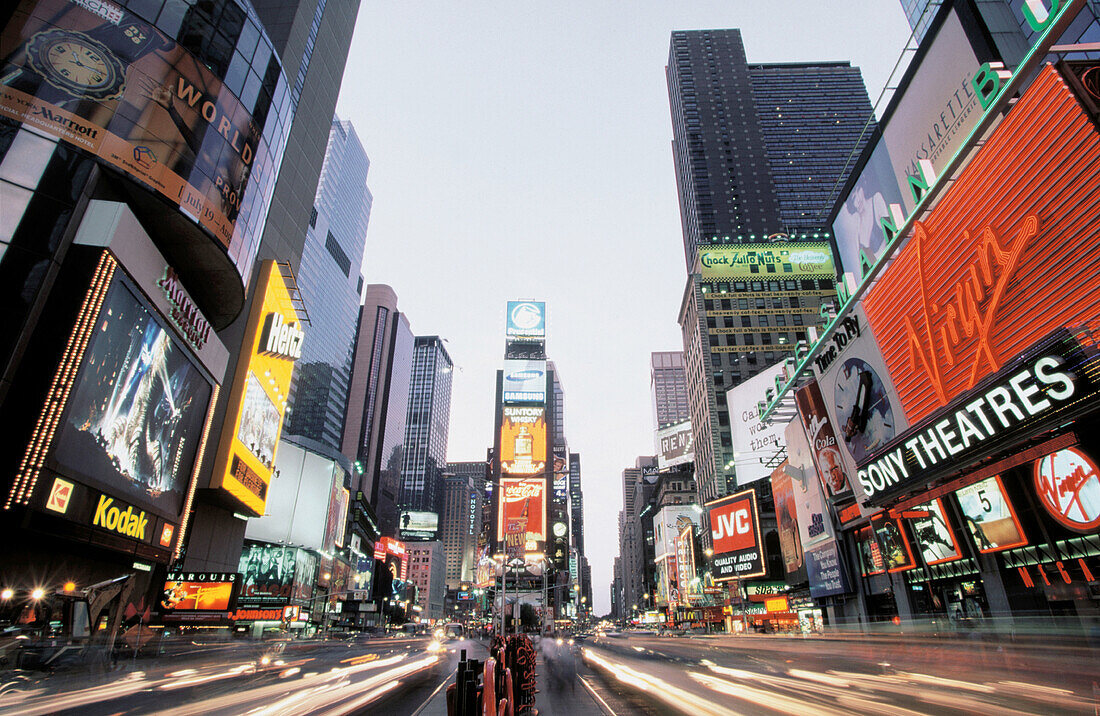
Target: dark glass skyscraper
330, 284
759, 150
426, 427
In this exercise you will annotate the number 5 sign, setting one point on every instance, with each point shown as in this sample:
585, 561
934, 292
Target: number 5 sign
1068, 485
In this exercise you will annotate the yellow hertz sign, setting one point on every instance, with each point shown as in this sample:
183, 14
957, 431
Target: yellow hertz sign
128, 522
273, 340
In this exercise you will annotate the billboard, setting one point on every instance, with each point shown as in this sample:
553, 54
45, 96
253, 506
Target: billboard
524, 381
275, 574
199, 591
931, 117
101, 79
419, 526
521, 515
893, 545
1068, 486
786, 517
735, 533
766, 261
675, 445
523, 440
526, 320
989, 516
272, 343
754, 442
975, 284
935, 538
822, 441
137, 408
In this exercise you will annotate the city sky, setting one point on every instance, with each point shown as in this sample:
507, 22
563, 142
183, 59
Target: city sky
524, 151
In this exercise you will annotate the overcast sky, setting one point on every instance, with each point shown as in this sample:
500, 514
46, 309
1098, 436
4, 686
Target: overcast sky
523, 151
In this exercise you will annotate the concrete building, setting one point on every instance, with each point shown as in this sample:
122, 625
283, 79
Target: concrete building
426, 425
378, 402
755, 156
668, 388
460, 522
427, 569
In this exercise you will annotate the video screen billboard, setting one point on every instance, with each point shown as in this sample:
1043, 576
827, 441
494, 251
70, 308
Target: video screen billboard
199, 591
754, 442
735, 533
521, 515
138, 404
524, 381
989, 516
982, 278
767, 261
675, 445
419, 526
272, 343
104, 80
526, 320
523, 440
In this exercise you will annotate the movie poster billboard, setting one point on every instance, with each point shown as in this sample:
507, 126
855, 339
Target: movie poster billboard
675, 445
272, 343
754, 442
935, 538
199, 592
870, 554
895, 551
787, 523
524, 381
104, 80
989, 515
268, 574
735, 534
138, 404
523, 440
521, 515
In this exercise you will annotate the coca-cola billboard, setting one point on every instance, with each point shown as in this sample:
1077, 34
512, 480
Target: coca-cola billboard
823, 442
521, 515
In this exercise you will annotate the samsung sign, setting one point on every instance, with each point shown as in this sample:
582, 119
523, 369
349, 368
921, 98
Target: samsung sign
1022, 400
524, 381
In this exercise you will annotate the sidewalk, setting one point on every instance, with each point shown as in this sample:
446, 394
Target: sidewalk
569, 698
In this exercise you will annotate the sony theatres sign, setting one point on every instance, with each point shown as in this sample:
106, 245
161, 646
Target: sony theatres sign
988, 318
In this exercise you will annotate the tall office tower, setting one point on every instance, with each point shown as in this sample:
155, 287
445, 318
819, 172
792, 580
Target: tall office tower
617, 588
426, 425
330, 285
378, 402
556, 409
638, 485
460, 521
756, 155
312, 37
668, 388
576, 502
427, 567
919, 13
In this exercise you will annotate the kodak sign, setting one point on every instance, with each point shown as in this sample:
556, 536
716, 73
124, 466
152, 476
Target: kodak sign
114, 516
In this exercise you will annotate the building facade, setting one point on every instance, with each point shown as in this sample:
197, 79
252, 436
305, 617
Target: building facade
427, 570
330, 286
460, 522
756, 157
425, 449
668, 388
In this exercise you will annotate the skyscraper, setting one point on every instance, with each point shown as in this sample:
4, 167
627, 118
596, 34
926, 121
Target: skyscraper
460, 521
378, 402
668, 388
330, 285
758, 150
426, 425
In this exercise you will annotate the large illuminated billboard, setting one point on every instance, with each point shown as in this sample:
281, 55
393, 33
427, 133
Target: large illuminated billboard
419, 526
272, 342
675, 445
136, 412
104, 80
754, 443
523, 440
275, 574
524, 381
526, 320
766, 261
989, 516
199, 591
735, 534
521, 515
976, 283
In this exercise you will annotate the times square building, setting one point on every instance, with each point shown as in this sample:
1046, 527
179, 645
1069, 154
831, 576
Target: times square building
139, 145
951, 407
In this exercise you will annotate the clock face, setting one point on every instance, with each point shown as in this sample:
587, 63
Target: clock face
76, 63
